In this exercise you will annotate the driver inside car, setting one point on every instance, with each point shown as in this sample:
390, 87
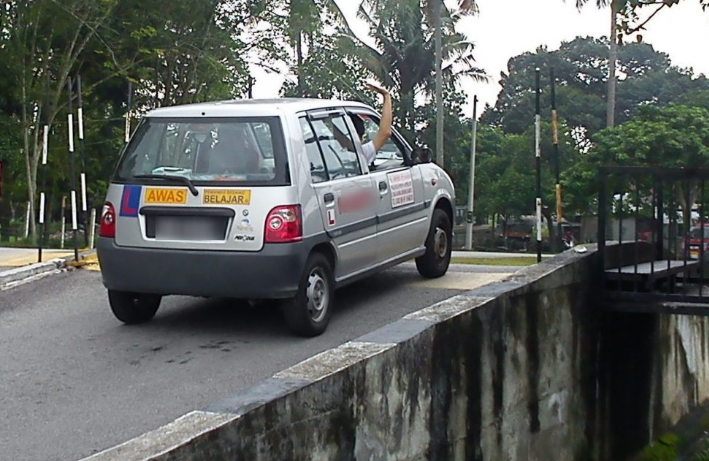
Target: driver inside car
233, 155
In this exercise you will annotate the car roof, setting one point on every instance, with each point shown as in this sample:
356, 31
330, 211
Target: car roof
251, 107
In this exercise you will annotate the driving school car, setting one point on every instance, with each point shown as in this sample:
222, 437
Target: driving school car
266, 199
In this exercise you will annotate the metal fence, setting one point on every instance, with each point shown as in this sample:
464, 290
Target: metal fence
653, 238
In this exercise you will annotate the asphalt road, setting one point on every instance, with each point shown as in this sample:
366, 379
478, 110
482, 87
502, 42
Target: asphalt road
74, 381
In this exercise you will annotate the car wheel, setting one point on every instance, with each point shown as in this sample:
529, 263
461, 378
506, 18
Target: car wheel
434, 263
308, 313
133, 308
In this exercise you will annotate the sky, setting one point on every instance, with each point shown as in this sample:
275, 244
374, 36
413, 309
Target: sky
506, 28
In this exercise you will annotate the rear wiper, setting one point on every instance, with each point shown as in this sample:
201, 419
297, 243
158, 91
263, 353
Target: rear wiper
168, 177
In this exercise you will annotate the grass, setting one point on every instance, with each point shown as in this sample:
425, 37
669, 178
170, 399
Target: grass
511, 261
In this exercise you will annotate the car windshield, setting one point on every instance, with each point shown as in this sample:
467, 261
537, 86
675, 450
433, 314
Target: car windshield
239, 150
696, 233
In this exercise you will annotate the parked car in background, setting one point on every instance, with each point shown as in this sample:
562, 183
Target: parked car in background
698, 242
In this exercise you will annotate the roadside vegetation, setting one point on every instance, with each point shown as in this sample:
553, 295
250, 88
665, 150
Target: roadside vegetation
199, 51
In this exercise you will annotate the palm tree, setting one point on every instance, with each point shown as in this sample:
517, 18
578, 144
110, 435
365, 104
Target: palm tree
303, 22
404, 57
433, 9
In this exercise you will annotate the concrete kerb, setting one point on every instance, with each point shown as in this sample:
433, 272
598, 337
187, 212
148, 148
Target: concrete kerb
216, 427
21, 275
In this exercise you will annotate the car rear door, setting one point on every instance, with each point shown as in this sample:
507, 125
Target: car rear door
345, 194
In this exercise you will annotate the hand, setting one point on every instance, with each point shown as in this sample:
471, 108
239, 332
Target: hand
377, 89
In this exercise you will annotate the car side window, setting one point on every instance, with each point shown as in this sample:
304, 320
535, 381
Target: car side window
391, 155
336, 146
317, 166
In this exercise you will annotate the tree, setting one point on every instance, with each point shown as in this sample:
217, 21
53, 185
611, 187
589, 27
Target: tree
43, 41
674, 136
581, 67
304, 29
625, 20
342, 77
615, 8
506, 183
185, 53
403, 57
433, 9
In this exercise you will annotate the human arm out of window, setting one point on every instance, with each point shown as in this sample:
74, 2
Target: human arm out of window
384, 132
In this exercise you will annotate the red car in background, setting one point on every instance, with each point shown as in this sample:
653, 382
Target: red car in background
696, 243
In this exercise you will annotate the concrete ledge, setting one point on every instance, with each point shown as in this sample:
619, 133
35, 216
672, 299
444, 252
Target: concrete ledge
19, 276
180, 434
392, 394
333, 361
14, 277
397, 332
258, 395
511, 371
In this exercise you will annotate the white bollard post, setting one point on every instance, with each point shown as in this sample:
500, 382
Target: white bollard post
63, 222
27, 222
92, 232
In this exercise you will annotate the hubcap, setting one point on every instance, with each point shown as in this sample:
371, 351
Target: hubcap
318, 296
440, 243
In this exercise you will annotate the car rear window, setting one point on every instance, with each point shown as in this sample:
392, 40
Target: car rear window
225, 150
696, 233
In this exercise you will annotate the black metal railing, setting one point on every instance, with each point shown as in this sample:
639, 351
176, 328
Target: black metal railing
653, 234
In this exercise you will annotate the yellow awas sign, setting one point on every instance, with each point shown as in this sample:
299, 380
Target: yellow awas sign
227, 197
161, 196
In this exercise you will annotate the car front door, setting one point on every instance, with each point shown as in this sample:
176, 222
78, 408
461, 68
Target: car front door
402, 223
346, 195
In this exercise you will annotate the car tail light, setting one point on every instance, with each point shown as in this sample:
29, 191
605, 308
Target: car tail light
107, 225
284, 224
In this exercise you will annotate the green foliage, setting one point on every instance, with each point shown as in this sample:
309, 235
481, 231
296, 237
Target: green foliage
581, 71
404, 52
674, 136
185, 53
198, 51
664, 449
703, 454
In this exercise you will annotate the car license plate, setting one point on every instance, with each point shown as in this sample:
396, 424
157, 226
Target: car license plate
189, 228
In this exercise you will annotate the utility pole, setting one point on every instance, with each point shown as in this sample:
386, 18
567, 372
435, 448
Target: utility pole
438, 5
42, 196
555, 135
471, 192
72, 169
84, 200
129, 111
538, 157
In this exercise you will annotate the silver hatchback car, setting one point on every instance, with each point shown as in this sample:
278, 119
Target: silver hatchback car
266, 199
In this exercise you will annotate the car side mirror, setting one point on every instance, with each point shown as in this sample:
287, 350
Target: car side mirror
422, 155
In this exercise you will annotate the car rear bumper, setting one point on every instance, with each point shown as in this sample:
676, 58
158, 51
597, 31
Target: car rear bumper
273, 272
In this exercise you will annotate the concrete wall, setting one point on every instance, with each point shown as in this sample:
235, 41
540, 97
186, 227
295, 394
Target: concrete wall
526, 369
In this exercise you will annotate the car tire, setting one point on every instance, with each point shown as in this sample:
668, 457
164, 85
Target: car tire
434, 263
133, 308
308, 313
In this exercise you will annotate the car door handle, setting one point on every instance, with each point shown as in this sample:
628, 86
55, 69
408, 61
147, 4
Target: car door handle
329, 197
383, 186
